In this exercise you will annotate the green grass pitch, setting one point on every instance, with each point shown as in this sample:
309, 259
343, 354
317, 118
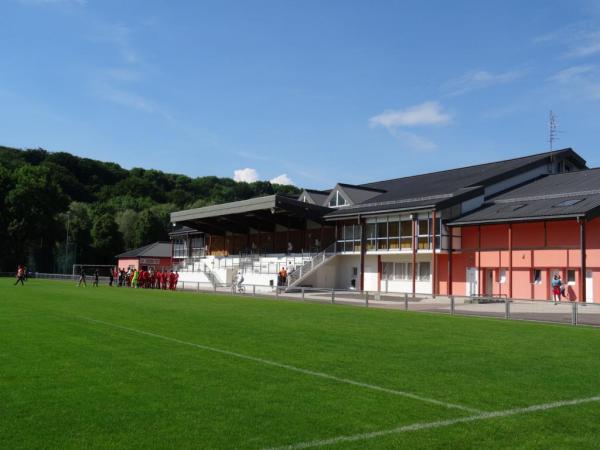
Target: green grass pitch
123, 368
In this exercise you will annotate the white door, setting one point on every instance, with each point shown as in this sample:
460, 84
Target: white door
589, 287
472, 279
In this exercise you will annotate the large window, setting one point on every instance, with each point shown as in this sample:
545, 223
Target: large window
371, 236
197, 247
349, 238
180, 248
424, 271
337, 200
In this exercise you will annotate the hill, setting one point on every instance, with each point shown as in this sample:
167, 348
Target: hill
103, 208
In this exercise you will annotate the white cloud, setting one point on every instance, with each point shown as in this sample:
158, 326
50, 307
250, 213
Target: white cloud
578, 83
396, 122
578, 40
571, 73
247, 175
588, 44
282, 179
480, 79
427, 113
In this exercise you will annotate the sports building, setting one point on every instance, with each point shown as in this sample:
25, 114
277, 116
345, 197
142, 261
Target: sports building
498, 229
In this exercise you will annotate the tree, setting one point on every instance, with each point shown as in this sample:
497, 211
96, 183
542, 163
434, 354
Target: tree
127, 222
150, 227
106, 239
33, 205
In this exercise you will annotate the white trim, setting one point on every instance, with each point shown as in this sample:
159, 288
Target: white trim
287, 367
438, 424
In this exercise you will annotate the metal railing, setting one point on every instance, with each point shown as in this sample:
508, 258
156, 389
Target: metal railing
319, 259
564, 312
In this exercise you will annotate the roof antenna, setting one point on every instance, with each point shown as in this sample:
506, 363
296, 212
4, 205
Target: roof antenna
552, 130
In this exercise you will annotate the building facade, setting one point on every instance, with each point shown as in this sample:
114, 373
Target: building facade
497, 229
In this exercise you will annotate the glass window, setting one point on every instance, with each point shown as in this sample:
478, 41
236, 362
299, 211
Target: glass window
403, 271
537, 276
424, 273
371, 236
180, 248
387, 271
382, 235
502, 276
571, 276
406, 234
197, 247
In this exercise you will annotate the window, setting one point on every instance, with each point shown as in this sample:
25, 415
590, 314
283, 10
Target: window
406, 234
537, 276
382, 234
197, 247
423, 227
180, 248
349, 238
403, 271
371, 236
387, 271
502, 276
570, 277
424, 273
570, 202
337, 200
393, 233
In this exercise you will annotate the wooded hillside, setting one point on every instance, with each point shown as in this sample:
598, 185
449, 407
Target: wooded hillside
106, 208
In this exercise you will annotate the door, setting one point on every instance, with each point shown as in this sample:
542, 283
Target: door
489, 282
472, 281
589, 287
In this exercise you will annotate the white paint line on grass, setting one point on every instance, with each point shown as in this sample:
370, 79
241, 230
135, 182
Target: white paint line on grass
437, 424
289, 367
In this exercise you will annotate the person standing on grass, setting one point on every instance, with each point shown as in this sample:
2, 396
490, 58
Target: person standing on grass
134, 280
96, 277
20, 275
81, 278
556, 288
111, 277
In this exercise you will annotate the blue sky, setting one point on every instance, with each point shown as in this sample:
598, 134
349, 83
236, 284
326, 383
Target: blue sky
318, 91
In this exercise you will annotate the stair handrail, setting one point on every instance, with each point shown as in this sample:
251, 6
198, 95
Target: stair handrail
308, 266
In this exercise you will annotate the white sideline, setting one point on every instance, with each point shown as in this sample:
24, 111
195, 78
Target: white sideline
289, 367
437, 424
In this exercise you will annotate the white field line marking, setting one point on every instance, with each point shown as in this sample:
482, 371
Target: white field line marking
289, 367
437, 424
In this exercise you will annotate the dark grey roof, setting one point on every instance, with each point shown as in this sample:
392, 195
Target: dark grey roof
553, 196
182, 230
430, 189
318, 197
155, 250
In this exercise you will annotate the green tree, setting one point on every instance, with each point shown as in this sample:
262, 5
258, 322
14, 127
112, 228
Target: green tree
127, 222
150, 227
33, 205
106, 239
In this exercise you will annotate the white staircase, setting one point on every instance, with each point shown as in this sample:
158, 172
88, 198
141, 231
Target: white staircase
308, 268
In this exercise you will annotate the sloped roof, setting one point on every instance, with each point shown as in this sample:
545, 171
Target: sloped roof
429, 189
574, 194
155, 250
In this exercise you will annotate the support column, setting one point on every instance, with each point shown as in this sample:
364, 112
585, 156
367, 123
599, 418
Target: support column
479, 273
379, 272
433, 258
582, 277
414, 256
510, 261
450, 248
363, 251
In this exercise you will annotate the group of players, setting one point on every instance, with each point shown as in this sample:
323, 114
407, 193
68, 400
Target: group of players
147, 279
